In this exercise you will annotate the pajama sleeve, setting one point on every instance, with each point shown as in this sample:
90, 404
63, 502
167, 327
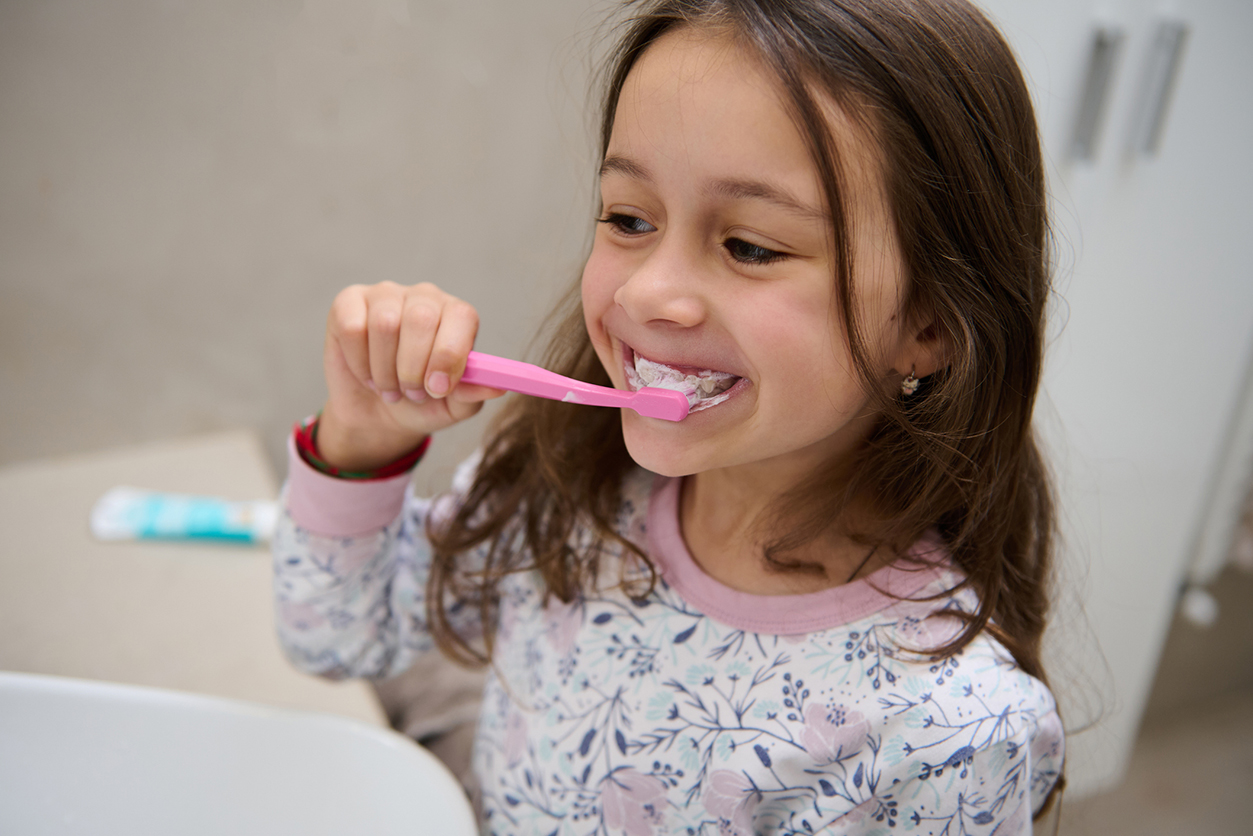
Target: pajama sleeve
989, 790
351, 560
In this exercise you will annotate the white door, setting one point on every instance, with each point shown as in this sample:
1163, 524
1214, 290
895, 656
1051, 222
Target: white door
1153, 214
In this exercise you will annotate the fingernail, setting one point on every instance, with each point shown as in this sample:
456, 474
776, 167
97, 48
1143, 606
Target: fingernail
415, 395
391, 396
437, 384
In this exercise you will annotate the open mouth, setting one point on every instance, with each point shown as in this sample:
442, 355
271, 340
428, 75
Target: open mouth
703, 387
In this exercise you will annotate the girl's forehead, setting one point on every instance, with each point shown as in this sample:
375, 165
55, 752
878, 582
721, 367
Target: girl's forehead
688, 54
706, 97
693, 69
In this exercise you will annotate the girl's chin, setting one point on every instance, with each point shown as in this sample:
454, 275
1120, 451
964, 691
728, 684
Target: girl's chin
656, 450
655, 462
685, 447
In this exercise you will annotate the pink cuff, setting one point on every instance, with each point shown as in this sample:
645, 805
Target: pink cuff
340, 507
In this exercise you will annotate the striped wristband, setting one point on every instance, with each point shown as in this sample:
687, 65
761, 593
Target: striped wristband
306, 436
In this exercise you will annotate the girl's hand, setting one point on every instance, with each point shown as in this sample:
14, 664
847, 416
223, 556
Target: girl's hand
393, 359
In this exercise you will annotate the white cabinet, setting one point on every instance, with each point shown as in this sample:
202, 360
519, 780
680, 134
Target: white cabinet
1153, 331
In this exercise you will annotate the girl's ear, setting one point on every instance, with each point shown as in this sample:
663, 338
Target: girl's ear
924, 350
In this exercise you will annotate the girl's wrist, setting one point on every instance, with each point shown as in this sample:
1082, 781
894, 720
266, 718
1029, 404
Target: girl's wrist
328, 445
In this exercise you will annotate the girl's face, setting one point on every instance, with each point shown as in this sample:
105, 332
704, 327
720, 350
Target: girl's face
713, 254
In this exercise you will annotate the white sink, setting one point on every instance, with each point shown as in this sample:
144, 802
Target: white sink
82, 757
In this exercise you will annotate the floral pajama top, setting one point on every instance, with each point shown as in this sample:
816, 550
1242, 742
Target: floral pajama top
698, 709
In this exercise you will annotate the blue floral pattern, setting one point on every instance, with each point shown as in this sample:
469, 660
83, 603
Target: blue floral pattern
613, 714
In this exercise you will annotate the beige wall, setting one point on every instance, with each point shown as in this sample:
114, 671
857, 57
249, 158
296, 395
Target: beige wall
184, 186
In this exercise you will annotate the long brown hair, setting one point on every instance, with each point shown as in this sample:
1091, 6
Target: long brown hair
939, 90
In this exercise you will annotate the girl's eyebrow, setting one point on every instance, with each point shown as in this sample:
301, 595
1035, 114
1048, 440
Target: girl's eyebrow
760, 190
615, 164
731, 189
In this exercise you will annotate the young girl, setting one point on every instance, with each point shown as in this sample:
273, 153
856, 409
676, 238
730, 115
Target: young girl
813, 605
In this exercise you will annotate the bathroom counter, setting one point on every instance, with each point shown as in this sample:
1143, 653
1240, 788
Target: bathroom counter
184, 616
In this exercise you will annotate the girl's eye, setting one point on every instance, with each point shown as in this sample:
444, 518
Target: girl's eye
627, 224
747, 253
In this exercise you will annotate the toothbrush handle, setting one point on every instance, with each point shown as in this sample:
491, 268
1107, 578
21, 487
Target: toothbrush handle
499, 373
516, 376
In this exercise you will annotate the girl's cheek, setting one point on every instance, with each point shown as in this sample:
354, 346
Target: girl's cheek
600, 284
597, 298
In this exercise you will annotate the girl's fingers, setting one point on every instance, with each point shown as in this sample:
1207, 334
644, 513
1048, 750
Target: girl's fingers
459, 410
458, 325
383, 322
419, 322
407, 343
472, 393
396, 341
347, 327
466, 399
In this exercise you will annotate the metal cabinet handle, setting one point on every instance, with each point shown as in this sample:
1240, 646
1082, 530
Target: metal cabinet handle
1165, 59
1106, 48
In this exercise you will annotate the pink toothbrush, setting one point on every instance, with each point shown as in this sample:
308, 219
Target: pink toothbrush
499, 373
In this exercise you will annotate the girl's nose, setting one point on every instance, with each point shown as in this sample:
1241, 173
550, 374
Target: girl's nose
663, 288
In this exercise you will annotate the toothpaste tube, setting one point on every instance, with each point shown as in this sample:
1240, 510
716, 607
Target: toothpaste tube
133, 514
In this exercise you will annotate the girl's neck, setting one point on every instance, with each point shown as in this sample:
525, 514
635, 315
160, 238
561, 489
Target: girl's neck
720, 513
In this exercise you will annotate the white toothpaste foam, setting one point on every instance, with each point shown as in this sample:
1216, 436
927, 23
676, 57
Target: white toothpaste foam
704, 389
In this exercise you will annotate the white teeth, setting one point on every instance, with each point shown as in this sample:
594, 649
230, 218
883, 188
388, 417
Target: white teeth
702, 389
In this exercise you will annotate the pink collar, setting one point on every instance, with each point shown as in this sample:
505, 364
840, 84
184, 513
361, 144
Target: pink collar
780, 614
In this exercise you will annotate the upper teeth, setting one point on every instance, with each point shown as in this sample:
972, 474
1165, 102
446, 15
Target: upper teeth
698, 387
